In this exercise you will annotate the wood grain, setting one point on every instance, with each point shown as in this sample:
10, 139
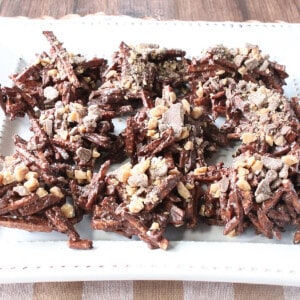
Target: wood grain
207, 10
57, 290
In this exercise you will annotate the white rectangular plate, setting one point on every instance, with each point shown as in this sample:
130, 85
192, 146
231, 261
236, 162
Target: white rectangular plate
201, 254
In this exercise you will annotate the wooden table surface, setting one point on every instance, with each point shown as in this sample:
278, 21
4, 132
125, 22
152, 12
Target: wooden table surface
207, 10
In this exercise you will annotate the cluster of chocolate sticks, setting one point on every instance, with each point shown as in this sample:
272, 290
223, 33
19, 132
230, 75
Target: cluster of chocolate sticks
171, 104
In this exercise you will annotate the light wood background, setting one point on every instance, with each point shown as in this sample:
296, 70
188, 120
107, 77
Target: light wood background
207, 10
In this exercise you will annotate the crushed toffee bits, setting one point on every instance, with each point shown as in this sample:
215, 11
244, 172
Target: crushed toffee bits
171, 102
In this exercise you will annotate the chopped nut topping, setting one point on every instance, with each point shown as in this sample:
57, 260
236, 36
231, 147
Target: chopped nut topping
243, 184
257, 166
200, 171
151, 133
269, 140
136, 204
290, 160
215, 190
188, 145
186, 106
95, 153
74, 117
55, 190
250, 161
89, 175
68, 210
7, 177
53, 73
31, 175
154, 226
242, 172
123, 173
199, 92
158, 111
183, 191
174, 171
197, 112
152, 123
20, 172
80, 175
141, 167
130, 190
185, 133
280, 141
41, 192
242, 70
31, 184
248, 138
